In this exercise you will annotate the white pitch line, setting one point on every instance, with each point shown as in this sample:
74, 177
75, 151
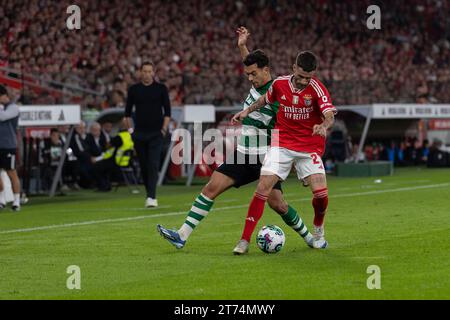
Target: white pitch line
391, 190
85, 223
108, 209
221, 201
368, 193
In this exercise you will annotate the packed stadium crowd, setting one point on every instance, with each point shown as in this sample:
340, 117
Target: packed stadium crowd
192, 44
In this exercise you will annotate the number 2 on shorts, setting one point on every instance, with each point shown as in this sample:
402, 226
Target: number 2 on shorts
314, 158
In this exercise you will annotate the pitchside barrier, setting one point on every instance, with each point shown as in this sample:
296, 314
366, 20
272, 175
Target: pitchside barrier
47, 116
380, 112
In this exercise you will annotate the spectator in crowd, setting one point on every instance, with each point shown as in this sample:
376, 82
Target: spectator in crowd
95, 141
392, 151
117, 99
90, 114
118, 155
71, 167
51, 151
80, 150
368, 152
106, 131
438, 155
424, 152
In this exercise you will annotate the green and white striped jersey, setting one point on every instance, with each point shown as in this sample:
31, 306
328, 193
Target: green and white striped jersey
257, 127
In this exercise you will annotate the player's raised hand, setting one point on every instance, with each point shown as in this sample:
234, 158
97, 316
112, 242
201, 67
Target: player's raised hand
319, 130
238, 117
243, 36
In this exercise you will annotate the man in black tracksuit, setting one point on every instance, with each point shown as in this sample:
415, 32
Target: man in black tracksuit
151, 102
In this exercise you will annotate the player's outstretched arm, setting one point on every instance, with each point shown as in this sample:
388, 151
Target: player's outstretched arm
242, 41
321, 129
258, 104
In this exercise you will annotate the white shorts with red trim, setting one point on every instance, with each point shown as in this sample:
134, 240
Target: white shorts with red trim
279, 161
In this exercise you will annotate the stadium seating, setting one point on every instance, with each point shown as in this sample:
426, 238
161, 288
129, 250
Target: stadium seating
197, 58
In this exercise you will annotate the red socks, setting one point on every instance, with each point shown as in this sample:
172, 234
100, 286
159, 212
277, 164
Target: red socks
320, 204
255, 212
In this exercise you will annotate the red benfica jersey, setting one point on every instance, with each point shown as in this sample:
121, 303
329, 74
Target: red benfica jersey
299, 111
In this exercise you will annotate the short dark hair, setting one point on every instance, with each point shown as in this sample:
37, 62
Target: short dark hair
3, 90
54, 130
307, 61
147, 63
259, 57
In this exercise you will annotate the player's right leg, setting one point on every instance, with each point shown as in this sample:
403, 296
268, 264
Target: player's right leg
255, 210
217, 184
277, 165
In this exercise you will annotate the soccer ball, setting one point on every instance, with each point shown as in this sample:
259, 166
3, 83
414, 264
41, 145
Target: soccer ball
270, 239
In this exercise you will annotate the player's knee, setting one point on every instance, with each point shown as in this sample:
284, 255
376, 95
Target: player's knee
210, 190
265, 185
263, 189
318, 182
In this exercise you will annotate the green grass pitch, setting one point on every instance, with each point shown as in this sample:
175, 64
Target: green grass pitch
401, 225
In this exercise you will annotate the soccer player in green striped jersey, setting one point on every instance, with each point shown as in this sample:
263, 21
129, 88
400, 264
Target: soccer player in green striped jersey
246, 163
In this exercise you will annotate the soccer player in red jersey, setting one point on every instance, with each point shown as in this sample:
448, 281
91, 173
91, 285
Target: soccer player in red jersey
304, 116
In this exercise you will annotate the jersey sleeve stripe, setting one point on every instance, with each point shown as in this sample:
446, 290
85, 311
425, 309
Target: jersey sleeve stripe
317, 88
320, 94
328, 109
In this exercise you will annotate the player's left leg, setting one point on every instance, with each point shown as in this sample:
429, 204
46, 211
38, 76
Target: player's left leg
218, 184
2, 194
289, 215
318, 184
255, 210
310, 168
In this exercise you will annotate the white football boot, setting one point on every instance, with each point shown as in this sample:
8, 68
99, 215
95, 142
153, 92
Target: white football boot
319, 238
241, 247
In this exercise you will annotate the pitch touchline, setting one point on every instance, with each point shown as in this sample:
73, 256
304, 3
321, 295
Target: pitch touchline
86, 223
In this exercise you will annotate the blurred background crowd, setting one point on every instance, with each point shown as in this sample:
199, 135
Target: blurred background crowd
192, 44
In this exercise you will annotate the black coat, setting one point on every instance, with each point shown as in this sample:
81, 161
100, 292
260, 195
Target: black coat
95, 149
